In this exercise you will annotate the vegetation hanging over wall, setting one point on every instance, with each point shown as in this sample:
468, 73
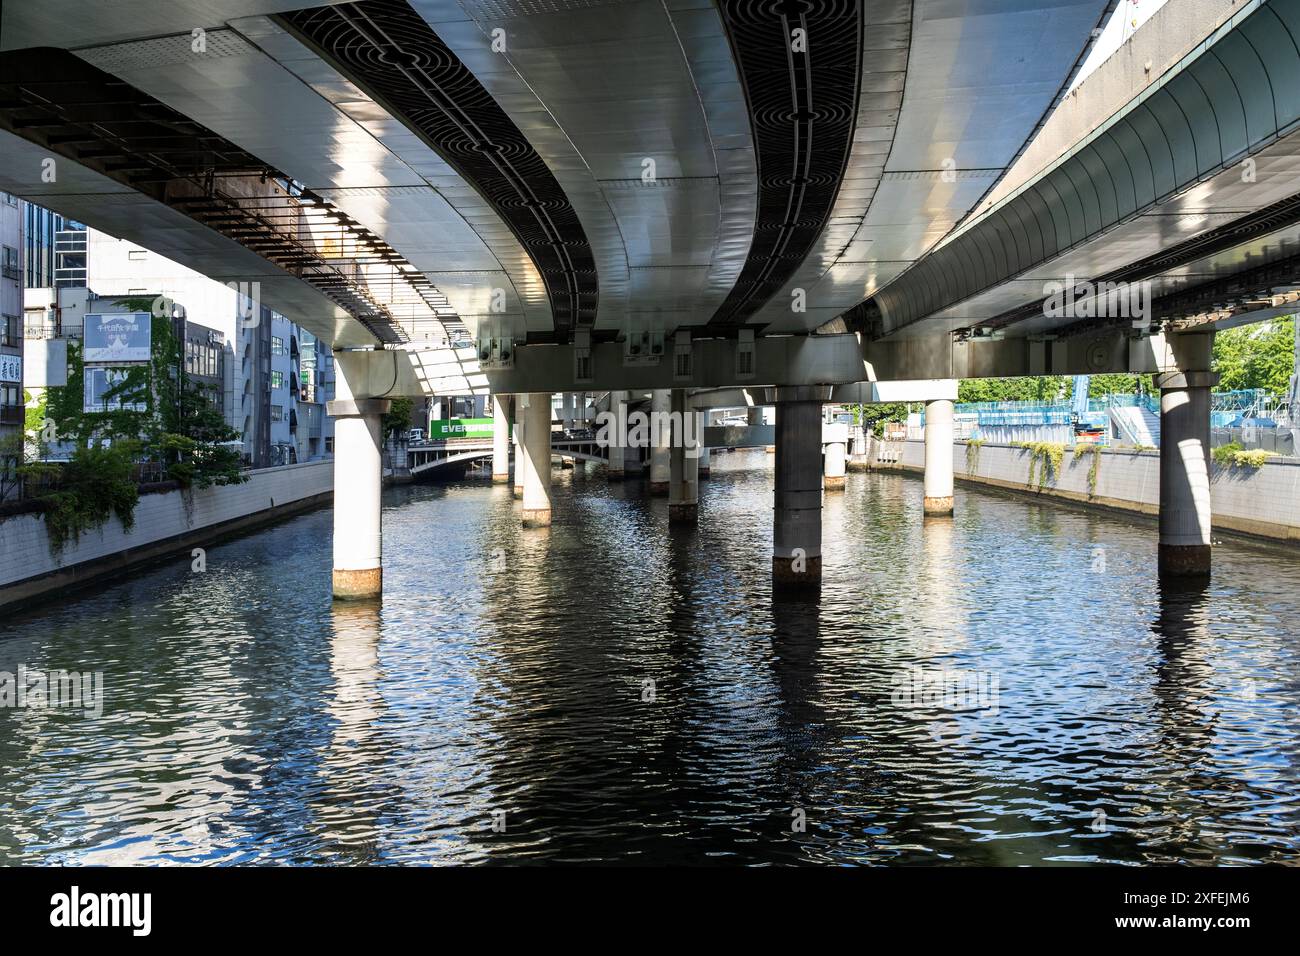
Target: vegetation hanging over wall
173, 428
1045, 457
1095, 451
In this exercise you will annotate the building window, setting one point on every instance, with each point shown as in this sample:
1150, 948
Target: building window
10, 330
277, 413
329, 444
277, 345
277, 379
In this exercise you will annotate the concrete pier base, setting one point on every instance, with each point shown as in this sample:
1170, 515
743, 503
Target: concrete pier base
702, 469
683, 512
535, 517
357, 585
794, 574
938, 507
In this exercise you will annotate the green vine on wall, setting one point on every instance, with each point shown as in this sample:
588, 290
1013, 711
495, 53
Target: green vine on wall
1045, 457
1095, 451
973, 446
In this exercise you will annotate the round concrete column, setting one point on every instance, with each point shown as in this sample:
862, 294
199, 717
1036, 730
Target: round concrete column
797, 501
358, 482
684, 481
833, 459
660, 466
616, 437
500, 439
517, 434
755, 414
1185, 510
537, 453
938, 458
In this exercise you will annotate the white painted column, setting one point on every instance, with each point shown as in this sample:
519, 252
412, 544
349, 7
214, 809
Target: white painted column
938, 458
833, 460
500, 438
617, 437
1185, 509
684, 481
660, 466
358, 484
537, 453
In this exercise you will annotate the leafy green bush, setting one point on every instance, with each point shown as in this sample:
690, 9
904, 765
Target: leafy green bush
1232, 455
95, 484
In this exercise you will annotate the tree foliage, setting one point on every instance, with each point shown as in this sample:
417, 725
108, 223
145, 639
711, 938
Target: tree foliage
398, 417
1256, 356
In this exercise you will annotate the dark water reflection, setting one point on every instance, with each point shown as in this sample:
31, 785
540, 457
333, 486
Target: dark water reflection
624, 691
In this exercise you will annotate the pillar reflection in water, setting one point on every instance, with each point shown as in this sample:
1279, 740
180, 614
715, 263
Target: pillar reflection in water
352, 767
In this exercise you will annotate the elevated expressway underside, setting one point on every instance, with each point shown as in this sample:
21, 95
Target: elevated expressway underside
559, 176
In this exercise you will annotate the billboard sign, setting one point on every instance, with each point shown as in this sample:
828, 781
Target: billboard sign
100, 381
116, 337
449, 428
11, 368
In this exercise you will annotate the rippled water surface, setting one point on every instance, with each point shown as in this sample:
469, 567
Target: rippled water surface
627, 692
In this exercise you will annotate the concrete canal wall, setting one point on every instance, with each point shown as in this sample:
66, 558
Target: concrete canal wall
166, 523
1264, 501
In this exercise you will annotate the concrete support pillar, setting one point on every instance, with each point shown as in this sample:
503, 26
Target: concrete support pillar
684, 481
705, 457
617, 437
797, 511
500, 438
938, 458
518, 437
834, 458
358, 481
537, 460
1185, 512
755, 414
660, 467
568, 413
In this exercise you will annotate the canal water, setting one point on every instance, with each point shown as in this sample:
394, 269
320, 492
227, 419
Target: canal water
1008, 687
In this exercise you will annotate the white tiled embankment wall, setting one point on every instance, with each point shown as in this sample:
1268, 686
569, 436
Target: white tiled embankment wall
1263, 501
159, 519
